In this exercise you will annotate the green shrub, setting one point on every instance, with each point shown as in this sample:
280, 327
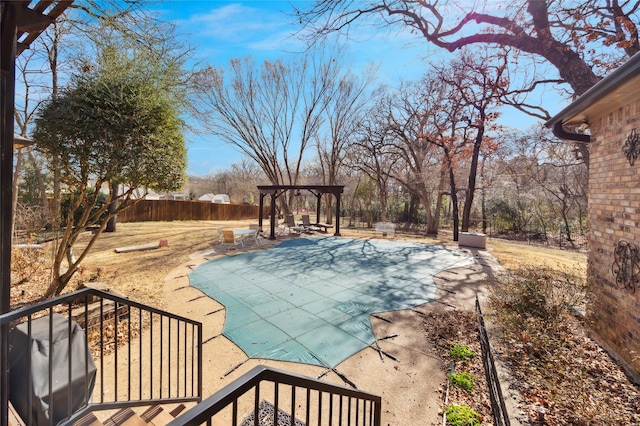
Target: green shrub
461, 353
461, 415
463, 380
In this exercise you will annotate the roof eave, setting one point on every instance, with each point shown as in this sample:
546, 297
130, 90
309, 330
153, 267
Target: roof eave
625, 72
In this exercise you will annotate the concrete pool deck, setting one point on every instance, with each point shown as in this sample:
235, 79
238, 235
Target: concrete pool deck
408, 383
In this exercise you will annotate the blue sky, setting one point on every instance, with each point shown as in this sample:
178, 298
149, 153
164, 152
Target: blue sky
221, 30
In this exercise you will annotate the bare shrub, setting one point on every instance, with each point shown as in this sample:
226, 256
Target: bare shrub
30, 220
531, 305
562, 374
26, 262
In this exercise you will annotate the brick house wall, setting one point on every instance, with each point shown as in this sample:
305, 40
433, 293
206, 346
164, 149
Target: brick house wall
611, 111
614, 216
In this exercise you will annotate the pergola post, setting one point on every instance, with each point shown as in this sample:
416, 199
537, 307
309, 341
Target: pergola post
260, 212
337, 233
318, 205
7, 104
272, 231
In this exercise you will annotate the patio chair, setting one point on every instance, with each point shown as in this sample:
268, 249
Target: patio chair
231, 240
307, 225
219, 235
257, 236
291, 224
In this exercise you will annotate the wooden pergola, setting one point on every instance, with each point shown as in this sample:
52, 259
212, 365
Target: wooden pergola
318, 190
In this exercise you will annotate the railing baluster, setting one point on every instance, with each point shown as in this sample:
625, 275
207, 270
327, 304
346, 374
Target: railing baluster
184, 386
177, 361
256, 406
129, 353
200, 361
51, 401
357, 411
293, 404
151, 378
331, 409
234, 412
320, 408
169, 355
307, 418
161, 353
69, 361
349, 411
29, 362
140, 322
340, 417
193, 351
87, 397
115, 352
275, 402
101, 350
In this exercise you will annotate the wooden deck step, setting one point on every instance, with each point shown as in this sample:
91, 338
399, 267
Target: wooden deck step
89, 419
177, 410
156, 416
125, 417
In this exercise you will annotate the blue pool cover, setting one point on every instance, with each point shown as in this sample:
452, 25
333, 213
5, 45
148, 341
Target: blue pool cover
308, 300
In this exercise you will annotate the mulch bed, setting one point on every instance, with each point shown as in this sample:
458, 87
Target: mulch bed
582, 386
445, 329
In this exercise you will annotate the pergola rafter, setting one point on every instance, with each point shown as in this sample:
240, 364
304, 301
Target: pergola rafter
276, 191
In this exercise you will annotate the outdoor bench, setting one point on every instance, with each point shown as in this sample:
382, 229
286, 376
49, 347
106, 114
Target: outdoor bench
471, 239
324, 226
385, 228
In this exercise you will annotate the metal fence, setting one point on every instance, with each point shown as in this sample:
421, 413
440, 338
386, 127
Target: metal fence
498, 407
576, 238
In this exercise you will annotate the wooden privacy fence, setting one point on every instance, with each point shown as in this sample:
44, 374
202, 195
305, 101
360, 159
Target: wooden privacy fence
166, 210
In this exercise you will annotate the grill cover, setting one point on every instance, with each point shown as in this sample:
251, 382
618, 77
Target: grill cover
29, 359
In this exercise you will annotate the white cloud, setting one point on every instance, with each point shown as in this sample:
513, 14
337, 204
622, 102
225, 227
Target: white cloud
235, 24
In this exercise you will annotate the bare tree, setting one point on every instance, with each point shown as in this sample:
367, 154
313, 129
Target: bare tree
345, 107
581, 40
539, 184
564, 33
270, 113
479, 85
420, 170
372, 153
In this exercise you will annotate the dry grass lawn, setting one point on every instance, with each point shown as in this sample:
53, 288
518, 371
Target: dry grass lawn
139, 275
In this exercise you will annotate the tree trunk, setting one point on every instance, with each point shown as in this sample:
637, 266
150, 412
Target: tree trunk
352, 217
471, 187
44, 201
433, 220
383, 201
454, 195
113, 205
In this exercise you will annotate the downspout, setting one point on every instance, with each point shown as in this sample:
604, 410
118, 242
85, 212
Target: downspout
558, 130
